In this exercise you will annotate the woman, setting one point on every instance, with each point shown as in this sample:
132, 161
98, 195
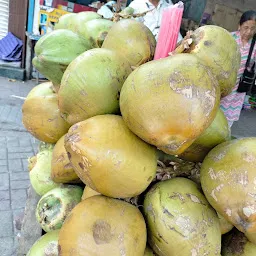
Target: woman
233, 103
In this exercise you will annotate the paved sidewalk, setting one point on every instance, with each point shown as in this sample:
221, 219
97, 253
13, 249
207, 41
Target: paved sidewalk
16, 145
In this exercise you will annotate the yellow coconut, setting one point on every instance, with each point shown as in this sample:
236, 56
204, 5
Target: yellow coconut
170, 102
133, 40
215, 134
210, 45
41, 115
88, 192
228, 177
109, 158
100, 226
62, 170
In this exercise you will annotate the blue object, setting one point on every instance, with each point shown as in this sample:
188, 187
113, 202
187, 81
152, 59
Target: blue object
10, 48
31, 8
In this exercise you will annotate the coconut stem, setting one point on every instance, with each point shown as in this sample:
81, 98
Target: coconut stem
184, 45
118, 16
32, 162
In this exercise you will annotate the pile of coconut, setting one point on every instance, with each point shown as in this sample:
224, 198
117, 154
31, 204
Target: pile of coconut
136, 157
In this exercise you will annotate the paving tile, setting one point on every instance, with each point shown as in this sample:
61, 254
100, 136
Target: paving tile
20, 184
25, 165
3, 162
19, 175
15, 165
3, 168
19, 155
4, 195
18, 198
7, 246
3, 153
13, 114
12, 141
18, 216
4, 181
6, 227
25, 141
5, 205
19, 150
5, 112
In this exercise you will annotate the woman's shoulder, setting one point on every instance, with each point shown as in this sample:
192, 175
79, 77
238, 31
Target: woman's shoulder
235, 34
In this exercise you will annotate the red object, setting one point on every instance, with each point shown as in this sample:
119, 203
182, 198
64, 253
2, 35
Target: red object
169, 30
77, 7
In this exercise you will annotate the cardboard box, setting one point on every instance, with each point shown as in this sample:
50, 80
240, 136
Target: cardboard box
48, 17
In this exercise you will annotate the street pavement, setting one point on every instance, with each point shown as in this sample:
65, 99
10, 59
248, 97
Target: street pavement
16, 145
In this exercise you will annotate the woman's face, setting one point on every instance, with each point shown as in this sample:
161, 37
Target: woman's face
247, 29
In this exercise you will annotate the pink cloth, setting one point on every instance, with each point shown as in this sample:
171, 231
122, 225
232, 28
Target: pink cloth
233, 103
169, 30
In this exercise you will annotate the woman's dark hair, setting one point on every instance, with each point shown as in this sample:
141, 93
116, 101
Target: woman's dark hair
249, 15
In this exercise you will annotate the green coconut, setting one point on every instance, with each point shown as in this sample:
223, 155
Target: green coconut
210, 45
40, 174
215, 134
55, 51
225, 226
127, 163
133, 40
46, 245
180, 221
91, 85
228, 177
65, 21
41, 115
54, 206
102, 226
127, 11
75, 21
170, 102
95, 31
236, 244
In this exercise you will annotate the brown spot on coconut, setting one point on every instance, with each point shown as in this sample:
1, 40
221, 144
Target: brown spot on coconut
62, 170
101, 74
88, 192
40, 106
133, 40
210, 44
170, 102
115, 153
236, 244
228, 179
180, 221
215, 134
103, 226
